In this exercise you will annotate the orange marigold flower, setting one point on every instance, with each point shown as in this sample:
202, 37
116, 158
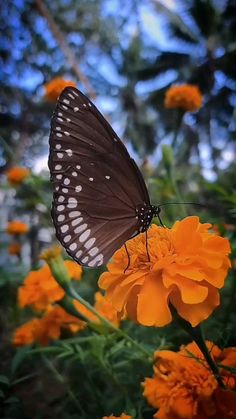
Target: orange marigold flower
54, 88
183, 387
16, 175
17, 227
40, 289
25, 334
47, 328
106, 309
186, 97
187, 266
123, 416
14, 249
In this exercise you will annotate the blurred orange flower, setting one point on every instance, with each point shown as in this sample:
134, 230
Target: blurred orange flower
17, 227
186, 97
40, 289
183, 387
54, 88
47, 328
123, 416
16, 175
103, 307
14, 249
25, 334
187, 266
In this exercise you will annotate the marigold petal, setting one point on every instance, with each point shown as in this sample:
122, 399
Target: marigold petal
218, 245
152, 308
196, 313
216, 277
106, 279
183, 407
121, 294
189, 225
189, 271
191, 292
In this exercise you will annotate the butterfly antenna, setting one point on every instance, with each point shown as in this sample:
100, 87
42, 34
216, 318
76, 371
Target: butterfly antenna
146, 239
128, 256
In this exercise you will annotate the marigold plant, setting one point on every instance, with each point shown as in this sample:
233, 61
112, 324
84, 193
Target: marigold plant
47, 328
17, 228
54, 88
186, 266
183, 386
14, 249
40, 289
16, 175
186, 97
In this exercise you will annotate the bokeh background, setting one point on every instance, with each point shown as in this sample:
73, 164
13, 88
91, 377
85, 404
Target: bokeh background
124, 55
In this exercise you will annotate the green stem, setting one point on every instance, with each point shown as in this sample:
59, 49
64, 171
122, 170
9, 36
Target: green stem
73, 294
179, 117
197, 335
61, 275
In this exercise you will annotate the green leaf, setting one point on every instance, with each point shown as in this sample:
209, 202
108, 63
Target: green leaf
4, 380
19, 357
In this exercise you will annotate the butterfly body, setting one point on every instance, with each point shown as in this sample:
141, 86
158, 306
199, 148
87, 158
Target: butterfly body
100, 199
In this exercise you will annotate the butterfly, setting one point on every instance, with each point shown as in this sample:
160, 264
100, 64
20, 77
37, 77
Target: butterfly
100, 199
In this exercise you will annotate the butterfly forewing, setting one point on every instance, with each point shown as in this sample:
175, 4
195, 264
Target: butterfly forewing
97, 186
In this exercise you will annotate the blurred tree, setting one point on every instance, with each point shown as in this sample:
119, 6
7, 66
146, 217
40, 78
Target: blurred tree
128, 69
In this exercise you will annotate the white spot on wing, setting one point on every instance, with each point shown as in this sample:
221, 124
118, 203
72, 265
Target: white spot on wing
74, 214
81, 228
76, 221
67, 238
89, 243
58, 166
69, 152
78, 254
97, 261
93, 251
58, 146
72, 203
60, 208
61, 217
84, 260
60, 155
78, 188
64, 228
84, 236
73, 246
66, 181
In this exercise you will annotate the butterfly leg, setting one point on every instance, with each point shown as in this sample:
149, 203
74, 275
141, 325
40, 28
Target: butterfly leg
160, 221
127, 267
146, 240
